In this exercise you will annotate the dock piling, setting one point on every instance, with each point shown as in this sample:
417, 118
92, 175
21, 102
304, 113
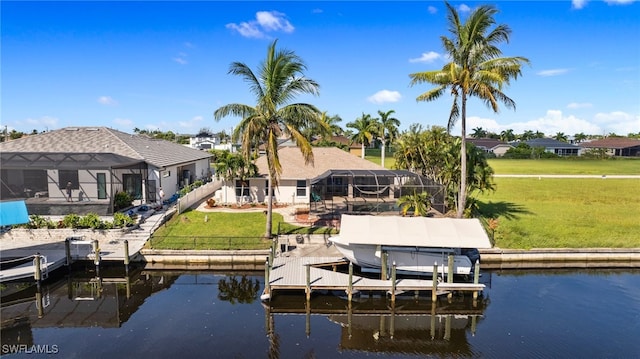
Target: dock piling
434, 287
126, 256
450, 262
96, 259
476, 279
393, 282
67, 251
37, 273
267, 290
350, 287
308, 289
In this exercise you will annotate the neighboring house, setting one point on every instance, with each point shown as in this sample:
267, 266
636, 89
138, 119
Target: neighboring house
204, 141
554, 146
491, 145
334, 174
615, 146
99, 162
354, 148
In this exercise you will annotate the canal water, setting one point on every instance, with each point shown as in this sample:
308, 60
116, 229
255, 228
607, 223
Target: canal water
162, 314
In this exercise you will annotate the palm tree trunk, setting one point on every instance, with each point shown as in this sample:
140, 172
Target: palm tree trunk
462, 195
362, 154
267, 233
382, 162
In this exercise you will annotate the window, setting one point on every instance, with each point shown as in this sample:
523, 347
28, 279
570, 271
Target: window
132, 184
301, 188
101, 180
266, 188
242, 188
65, 176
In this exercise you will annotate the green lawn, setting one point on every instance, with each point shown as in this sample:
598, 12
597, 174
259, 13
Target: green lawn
557, 213
566, 166
222, 230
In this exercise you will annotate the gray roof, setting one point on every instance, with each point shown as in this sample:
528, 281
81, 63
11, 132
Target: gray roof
549, 143
159, 153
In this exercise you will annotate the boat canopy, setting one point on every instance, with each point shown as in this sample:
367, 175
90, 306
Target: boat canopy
413, 231
13, 212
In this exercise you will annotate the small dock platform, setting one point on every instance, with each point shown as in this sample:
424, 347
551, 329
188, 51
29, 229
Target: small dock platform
318, 273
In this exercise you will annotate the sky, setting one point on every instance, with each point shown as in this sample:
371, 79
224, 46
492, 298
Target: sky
164, 65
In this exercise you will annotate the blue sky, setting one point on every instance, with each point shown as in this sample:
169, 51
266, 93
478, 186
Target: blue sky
163, 65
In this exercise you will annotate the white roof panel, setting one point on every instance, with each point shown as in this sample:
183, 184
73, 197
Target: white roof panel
414, 231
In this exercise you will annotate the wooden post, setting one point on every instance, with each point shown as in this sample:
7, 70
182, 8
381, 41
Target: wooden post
67, 251
37, 273
350, 319
434, 288
267, 269
392, 321
433, 320
350, 287
393, 282
307, 326
447, 327
476, 278
126, 256
383, 263
96, 259
308, 290
450, 262
39, 302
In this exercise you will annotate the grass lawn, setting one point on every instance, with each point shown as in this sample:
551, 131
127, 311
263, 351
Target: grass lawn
566, 166
558, 213
221, 230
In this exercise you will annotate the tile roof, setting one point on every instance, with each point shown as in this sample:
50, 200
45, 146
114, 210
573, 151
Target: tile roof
549, 143
487, 142
612, 142
157, 152
325, 158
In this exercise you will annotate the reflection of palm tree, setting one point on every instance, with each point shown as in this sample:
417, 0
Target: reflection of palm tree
233, 290
476, 69
279, 80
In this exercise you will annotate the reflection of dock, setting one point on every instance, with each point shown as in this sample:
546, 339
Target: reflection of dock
407, 325
315, 273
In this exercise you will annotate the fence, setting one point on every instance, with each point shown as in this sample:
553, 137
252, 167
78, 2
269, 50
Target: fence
197, 195
209, 243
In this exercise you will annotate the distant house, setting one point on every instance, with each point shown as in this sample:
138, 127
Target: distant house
554, 146
98, 162
204, 141
615, 146
345, 142
491, 145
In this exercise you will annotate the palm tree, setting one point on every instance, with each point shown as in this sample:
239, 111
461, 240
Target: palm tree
527, 135
507, 135
475, 69
580, 137
332, 122
366, 127
388, 126
479, 132
560, 136
420, 202
280, 78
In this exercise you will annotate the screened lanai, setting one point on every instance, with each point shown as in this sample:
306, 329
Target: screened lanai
369, 191
41, 179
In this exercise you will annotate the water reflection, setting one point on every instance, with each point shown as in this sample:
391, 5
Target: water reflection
375, 324
78, 300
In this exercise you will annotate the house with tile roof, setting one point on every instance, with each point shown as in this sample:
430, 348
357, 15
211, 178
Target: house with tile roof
95, 163
491, 145
334, 175
552, 145
615, 146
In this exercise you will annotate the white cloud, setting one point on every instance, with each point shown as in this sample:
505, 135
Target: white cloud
124, 122
266, 21
42, 123
578, 4
432, 9
618, 122
552, 122
181, 60
427, 57
575, 105
384, 96
107, 101
552, 72
619, 2
464, 8
193, 123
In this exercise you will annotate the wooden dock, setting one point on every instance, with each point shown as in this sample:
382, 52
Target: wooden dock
316, 273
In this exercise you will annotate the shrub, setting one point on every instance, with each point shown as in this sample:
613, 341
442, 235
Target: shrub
91, 220
36, 221
122, 200
121, 220
70, 221
197, 183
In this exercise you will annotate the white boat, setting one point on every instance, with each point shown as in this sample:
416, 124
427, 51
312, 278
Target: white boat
414, 244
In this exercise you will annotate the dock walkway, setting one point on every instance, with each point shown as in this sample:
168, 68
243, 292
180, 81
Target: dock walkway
291, 273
